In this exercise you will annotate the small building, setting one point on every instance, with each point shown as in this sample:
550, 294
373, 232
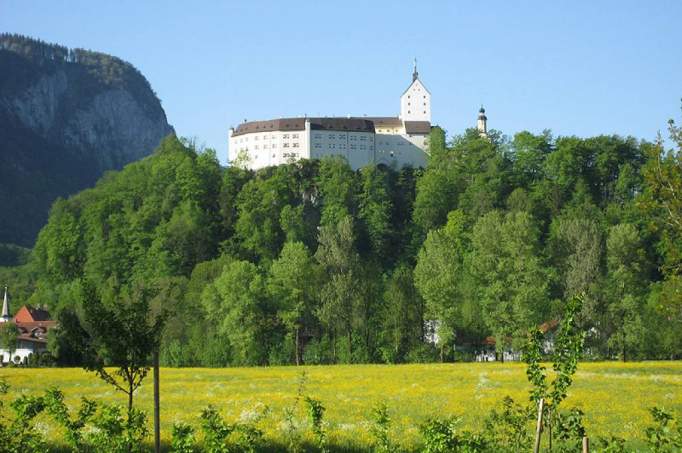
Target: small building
487, 353
32, 326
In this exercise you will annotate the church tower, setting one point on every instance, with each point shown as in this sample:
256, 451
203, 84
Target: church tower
415, 103
5, 309
482, 123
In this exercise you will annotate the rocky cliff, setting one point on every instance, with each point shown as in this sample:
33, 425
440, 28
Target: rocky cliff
66, 117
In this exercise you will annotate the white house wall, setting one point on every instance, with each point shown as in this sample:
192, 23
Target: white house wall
415, 103
357, 147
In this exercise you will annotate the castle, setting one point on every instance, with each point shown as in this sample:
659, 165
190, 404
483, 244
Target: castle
391, 141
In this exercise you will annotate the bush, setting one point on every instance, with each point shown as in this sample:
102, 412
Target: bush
440, 436
183, 438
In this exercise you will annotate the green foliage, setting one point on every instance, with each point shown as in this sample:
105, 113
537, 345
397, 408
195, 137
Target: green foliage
509, 427
511, 275
13, 255
55, 406
216, 431
220, 436
316, 417
379, 428
312, 262
8, 338
440, 435
663, 435
17, 434
115, 432
183, 438
568, 348
236, 302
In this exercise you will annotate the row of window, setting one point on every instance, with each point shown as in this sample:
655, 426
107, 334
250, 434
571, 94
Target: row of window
343, 147
266, 137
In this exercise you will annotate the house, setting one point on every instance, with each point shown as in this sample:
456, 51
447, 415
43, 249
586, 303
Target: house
32, 326
487, 353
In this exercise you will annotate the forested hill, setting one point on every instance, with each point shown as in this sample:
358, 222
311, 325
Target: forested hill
66, 116
315, 263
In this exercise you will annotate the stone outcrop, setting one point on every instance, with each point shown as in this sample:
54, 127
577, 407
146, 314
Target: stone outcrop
66, 117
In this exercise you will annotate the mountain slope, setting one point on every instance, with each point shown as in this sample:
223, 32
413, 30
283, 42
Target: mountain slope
66, 117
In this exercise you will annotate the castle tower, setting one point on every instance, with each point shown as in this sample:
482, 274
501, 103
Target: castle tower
415, 103
5, 308
482, 123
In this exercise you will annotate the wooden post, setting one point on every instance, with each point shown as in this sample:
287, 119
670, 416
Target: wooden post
157, 421
586, 445
538, 428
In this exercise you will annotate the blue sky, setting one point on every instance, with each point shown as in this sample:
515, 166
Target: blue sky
575, 67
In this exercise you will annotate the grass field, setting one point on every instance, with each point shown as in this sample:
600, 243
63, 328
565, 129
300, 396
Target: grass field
614, 396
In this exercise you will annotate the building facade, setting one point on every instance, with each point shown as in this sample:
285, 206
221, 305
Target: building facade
32, 326
391, 141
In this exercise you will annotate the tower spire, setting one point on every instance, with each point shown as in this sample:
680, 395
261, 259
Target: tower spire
415, 74
5, 307
482, 123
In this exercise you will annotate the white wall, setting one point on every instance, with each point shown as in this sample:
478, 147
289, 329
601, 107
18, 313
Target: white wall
357, 147
415, 103
270, 148
400, 150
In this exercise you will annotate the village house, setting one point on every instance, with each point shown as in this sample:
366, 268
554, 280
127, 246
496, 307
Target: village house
32, 326
487, 352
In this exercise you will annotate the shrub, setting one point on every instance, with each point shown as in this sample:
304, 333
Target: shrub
183, 438
380, 424
316, 416
663, 437
440, 436
508, 427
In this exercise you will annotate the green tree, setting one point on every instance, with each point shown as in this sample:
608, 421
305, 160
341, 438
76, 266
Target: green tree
293, 286
627, 285
511, 274
119, 330
338, 258
8, 338
440, 275
336, 185
237, 303
375, 206
402, 316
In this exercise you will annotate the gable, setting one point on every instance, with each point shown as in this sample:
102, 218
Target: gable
416, 84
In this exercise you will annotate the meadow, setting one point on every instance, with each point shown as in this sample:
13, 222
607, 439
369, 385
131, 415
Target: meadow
614, 396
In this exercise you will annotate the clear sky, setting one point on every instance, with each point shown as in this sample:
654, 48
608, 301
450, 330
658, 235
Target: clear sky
575, 67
